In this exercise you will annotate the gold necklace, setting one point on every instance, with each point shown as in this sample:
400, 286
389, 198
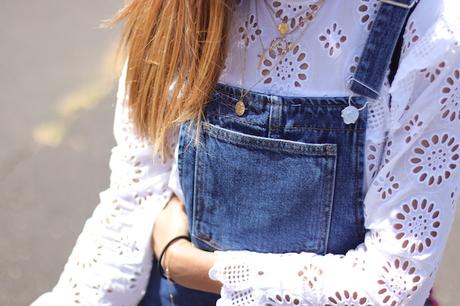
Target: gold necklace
240, 106
280, 44
283, 26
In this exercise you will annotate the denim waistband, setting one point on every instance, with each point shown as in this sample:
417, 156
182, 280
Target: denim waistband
283, 111
229, 95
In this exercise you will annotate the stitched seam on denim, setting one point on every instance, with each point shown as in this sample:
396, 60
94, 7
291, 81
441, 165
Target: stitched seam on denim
310, 102
359, 199
299, 128
195, 226
209, 242
180, 153
270, 119
292, 128
288, 101
281, 144
358, 184
331, 208
198, 232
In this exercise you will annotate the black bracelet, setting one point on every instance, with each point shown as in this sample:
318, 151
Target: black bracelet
160, 268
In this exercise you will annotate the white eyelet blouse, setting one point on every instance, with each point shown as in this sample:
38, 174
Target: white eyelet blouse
412, 179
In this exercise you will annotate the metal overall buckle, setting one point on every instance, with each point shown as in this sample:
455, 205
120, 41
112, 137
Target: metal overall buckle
396, 3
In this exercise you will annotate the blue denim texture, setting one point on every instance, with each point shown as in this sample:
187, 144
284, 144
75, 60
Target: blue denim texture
288, 165
286, 176
376, 56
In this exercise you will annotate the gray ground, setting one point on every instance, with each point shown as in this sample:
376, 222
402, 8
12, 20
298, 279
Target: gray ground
56, 97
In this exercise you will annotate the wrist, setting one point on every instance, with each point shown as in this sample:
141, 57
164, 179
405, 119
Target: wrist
173, 256
189, 267
162, 265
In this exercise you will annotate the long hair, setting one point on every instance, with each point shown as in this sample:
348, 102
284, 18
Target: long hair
175, 53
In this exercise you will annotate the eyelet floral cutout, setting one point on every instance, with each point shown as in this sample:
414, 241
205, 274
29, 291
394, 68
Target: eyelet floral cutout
454, 197
376, 114
354, 65
367, 9
435, 158
249, 30
285, 71
243, 297
387, 185
417, 225
347, 298
333, 39
294, 14
410, 37
237, 275
432, 73
374, 239
114, 212
359, 263
373, 159
399, 280
134, 172
387, 153
87, 252
76, 292
126, 246
451, 99
133, 281
310, 274
412, 128
143, 198
283, 299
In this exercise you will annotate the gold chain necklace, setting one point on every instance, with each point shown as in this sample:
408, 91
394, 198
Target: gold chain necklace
280, 44
283, 26
283, 50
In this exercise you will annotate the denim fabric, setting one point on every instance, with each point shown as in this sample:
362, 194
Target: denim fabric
286, 165
375, 59
286, 176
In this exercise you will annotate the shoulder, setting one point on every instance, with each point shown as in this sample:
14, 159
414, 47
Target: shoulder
450, 13
431, 47
432, 32
437, 17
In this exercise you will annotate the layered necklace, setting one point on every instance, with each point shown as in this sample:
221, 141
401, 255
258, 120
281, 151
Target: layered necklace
280, 45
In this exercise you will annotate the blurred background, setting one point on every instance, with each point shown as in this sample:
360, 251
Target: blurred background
57, 94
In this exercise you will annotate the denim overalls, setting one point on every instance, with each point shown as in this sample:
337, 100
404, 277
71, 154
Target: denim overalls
285, 174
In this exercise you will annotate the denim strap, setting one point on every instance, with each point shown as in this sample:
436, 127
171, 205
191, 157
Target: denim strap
376, 56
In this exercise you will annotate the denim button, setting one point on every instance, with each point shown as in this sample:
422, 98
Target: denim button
240, 108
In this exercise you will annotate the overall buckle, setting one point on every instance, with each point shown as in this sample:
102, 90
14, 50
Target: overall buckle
398, 4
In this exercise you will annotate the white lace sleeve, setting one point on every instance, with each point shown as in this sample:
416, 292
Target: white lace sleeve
111, 261
410, 205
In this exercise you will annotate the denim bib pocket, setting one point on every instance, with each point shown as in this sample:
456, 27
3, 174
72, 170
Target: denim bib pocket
244, 196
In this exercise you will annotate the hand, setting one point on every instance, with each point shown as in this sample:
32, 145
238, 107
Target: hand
170, 223
188, 266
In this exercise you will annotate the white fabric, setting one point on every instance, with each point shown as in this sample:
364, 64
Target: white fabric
411, 182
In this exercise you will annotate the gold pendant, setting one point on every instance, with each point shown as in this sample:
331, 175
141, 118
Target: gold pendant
239, 108
280, 46
283, 28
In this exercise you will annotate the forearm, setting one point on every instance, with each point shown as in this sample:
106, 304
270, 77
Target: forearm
189, 267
